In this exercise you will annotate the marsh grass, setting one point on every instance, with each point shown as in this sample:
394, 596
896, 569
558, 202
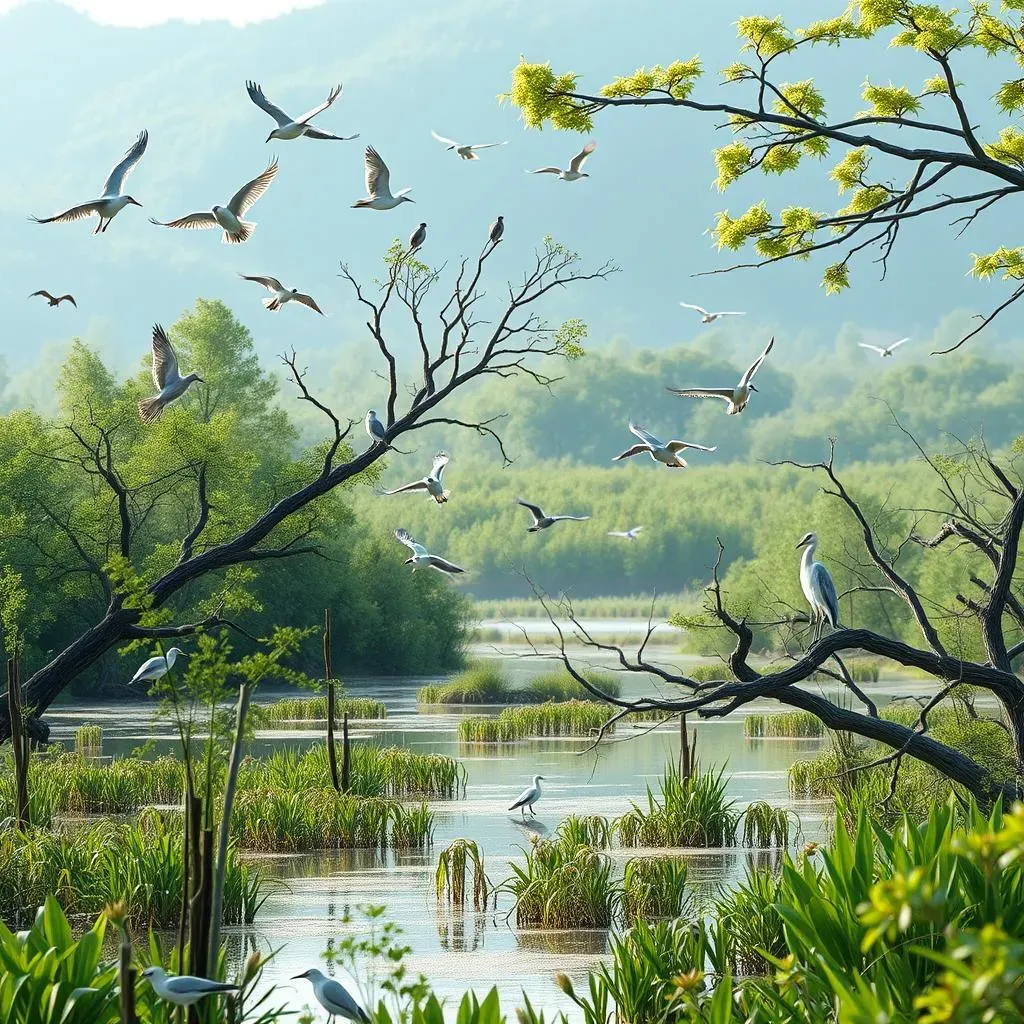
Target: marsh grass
629, 606
561, 686
89, 740
586, 830
450, 877
654, 888
568, 718
314, 709
752, 923
485, 682
706, 670
766, 827
794, 724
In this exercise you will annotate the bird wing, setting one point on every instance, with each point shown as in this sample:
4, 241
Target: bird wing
316, 133
165, 362
444, 565
441, 459
546, 170
197, 221
148, 665
331, 97
115, 179
637, 431
874, 348
69, 298
256, 95
635, 530
678, 446
724, 393
416, 485
821, 581
896, 344
618, 533
535, 510
637, 449
756, 365
416, 549
307, 300
488, 145
442, 139
75, 213
188, 985
526, 796
246, 196
730, 312
270, 283
690, 305
339, 996
577, 161
378, 177
43, 292
579, 519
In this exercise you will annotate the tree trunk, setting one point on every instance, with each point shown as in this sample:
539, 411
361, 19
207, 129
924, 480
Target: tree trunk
126, 975
332, 754
346, 755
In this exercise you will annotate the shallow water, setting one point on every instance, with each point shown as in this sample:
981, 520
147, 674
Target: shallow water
478, 950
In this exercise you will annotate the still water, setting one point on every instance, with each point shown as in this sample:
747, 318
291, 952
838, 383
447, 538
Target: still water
302, 917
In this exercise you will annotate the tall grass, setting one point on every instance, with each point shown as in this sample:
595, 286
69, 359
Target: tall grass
629, 606
450, 877
706, 670
89, 740
485, 682
561, 686
654, 887
314, 709
797, 724
569, 718
765, 826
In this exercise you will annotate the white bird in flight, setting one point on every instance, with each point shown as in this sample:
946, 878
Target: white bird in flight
736, 397
279, 295
630, 534
166, 377
528, 797
229, 217
111, 203
667, 453
157, 667
433, 483
184, 989
707, 317
421, 557
883, 351
820, 591
574, 172
542, 521
289, 128
466, 152
333, 997
378, 186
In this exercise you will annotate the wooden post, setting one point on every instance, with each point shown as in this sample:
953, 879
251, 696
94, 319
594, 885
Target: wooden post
19, 743
346, 755
186, 874
332, 755
687, 749
127, 979
195, 811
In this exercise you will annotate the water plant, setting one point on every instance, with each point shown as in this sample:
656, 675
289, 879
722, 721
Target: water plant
765, 826
586, 830
89, 740
797, 724
653, 888
314, 709
450, 877
705, 670
562, 686
753, 925
482, 682
568, 718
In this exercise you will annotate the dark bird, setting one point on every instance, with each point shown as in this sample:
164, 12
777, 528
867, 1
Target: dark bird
497, 230
417, 238
55, 300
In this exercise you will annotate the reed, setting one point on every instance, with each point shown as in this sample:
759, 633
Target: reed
89, 740
586, 830
450, 877
705, 670
752, 923
690, 811
561, 686
766, 827
654, 888
314, 709
483, 682
794, 724
831, 771
568, 718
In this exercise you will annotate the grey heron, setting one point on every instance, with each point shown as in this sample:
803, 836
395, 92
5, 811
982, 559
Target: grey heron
573, 172
528, 797
820, 591
333, 996
184, 989
166, 377
422, 557
667, 453
541, 521
736, 397
497, 230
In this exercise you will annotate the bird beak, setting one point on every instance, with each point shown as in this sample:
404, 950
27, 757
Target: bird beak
752, 388
801, 544
298, 977
200, 380
135, 202
269, 137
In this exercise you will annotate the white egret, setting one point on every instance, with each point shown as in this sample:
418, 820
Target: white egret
158, 666
667, 453
184, 989
820, 591
631, 534
421, 557
289, 128
883, 351
736, 397
333, 997
279, 295
466, 152
541, 521
166, 377
378, 185
528, 797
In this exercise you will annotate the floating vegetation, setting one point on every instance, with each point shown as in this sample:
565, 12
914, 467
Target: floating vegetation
796, 724
562, 686
314, 709
568, 718
765, 827
484, 682
450, 877
690, 811
586, 830
654, 888
89, 740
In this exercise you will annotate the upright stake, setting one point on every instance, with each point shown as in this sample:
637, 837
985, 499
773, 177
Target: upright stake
127, 978
19, 743
332, 756
686, 751
346, 755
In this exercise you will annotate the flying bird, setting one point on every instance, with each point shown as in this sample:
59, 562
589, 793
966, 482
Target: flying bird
184, 989
375, 428
820, 591
665, 453
736, 397
417, 238
229, 217
279, 295
433, 484
886, 351
157, 667
422, 557
55, 300
466, 152
378, 186
497, 230
710, 318
541, 521
574, 172
111, 203
630, 534
333, 997
166, 377
528, 797
289, 128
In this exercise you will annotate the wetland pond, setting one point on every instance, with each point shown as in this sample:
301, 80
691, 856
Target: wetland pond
301, 918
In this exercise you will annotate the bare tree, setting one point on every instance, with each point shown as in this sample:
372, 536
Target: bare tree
456, 346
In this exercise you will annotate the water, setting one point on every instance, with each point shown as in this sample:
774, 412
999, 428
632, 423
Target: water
480, 950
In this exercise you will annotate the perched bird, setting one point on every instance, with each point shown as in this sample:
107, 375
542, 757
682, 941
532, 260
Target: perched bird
883, 352
55, 300
542, 521
466, 152
432, 484
166, 377
736, 397
528, 797
630, 534
157, 667
422, 557
111, 203
333, 997
375, 428
279, 295
574, 172
710, 318
229, 217
418, 237
378, 186
497, 230
184, 989
820, 591
665, 453
287, 128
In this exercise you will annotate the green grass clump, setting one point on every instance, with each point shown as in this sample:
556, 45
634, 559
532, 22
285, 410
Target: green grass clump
450, 877
89, 740
483, 682
688, 812
568, 718
796, 724
653, 888
752, 923
561, 686
314, 709
707, 670
766, 827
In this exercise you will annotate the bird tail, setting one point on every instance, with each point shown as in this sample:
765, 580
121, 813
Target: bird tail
361, 204
150, 408
243, 234
442, 497
272, 304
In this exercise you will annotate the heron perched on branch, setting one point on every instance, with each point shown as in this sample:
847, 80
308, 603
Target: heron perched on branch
820, 591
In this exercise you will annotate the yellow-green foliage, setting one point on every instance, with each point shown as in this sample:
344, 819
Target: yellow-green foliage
676, 80
534, 89
889, 101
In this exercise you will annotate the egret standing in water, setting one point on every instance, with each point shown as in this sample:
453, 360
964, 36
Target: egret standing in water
528, 797
333, 997
818, 588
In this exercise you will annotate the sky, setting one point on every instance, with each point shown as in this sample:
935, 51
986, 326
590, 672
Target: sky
143, 13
